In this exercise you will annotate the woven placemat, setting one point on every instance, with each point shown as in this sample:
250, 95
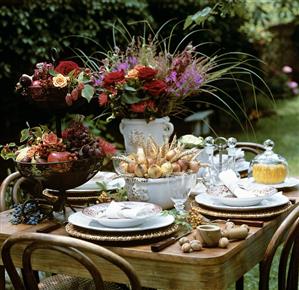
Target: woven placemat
254, 214
87, 234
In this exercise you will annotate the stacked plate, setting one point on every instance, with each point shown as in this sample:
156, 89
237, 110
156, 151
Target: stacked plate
121, 221
225, 205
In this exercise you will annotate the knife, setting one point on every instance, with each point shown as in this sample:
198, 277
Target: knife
50, 227
157, 247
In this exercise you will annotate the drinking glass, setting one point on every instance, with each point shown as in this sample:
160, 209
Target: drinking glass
180, 189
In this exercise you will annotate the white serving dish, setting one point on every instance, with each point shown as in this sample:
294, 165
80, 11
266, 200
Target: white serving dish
121, 220
289, 182
275, 200
80, 220
158, 191
239, 201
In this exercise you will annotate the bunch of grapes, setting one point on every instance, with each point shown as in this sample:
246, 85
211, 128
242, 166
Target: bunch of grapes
80, 141
28, 213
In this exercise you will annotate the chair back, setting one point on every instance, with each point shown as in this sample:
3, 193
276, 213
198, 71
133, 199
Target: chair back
287, 235
254, 148
72, 247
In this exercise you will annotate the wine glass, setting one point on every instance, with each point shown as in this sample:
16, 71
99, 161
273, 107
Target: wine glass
180, 188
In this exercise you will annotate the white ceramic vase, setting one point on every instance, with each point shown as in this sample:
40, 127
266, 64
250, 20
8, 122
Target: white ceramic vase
136, 130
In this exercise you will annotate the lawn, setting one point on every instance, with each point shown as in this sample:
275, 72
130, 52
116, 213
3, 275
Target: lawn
282, 128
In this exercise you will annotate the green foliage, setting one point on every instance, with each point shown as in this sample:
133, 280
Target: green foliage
33, 29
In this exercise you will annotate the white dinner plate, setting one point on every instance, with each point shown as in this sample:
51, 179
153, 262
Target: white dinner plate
141, 212
275, 200
156, 222
106, 178
289, 182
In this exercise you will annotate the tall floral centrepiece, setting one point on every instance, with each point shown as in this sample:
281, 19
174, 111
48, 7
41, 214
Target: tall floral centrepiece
144, 83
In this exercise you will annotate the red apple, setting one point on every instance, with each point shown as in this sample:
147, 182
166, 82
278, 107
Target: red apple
58, 156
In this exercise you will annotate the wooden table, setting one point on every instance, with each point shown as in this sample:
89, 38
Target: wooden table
169, 269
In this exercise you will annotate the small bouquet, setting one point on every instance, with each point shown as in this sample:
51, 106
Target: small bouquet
61, 85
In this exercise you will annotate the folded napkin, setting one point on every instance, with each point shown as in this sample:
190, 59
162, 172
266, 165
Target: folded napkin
230, 180
121, 210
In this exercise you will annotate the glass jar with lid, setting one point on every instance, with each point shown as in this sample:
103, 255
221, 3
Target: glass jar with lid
269, 167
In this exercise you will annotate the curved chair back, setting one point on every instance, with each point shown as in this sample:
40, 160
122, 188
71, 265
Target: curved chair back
254, 148
75, 248
288, 235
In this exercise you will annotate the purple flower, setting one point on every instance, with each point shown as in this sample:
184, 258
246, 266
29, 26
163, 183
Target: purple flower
132, 61
287, 69
122, 66
292, 84
172, 77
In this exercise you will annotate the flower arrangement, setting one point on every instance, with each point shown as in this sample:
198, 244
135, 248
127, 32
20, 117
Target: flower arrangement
147, 81
63, 83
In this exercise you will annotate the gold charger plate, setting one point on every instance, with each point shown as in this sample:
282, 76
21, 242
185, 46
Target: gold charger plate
260, 214
88, 234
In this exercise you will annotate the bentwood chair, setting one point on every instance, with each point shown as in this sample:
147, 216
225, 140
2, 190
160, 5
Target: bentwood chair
254, 148
78, 250
286, 235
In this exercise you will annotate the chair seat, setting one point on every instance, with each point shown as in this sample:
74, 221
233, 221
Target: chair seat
65, 282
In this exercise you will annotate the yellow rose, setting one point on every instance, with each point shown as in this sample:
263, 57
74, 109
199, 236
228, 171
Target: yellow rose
132, 74
60, 81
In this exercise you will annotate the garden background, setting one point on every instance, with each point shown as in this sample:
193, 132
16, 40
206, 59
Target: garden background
265, 29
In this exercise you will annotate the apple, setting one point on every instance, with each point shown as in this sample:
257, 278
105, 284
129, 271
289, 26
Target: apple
59, 156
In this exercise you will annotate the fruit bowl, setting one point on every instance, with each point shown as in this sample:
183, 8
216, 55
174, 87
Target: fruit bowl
60, 175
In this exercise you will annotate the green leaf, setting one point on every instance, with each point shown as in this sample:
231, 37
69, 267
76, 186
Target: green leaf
24, 135
200, 16
81, 76
188, 21
102, 185
130, 99
37, 131
88, 92
128, 88
52, 73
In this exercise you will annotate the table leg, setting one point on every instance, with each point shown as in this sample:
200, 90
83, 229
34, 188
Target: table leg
2, 277
240, 283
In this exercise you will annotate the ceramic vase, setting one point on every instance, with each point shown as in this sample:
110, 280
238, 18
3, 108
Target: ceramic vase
135, 131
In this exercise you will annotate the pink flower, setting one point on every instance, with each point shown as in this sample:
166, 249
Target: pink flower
103, 99
287, 69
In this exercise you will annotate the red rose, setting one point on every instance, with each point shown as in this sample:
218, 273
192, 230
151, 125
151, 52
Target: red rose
66, 66
140, 107
113, 77
155, 88
103, 99
146, 73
